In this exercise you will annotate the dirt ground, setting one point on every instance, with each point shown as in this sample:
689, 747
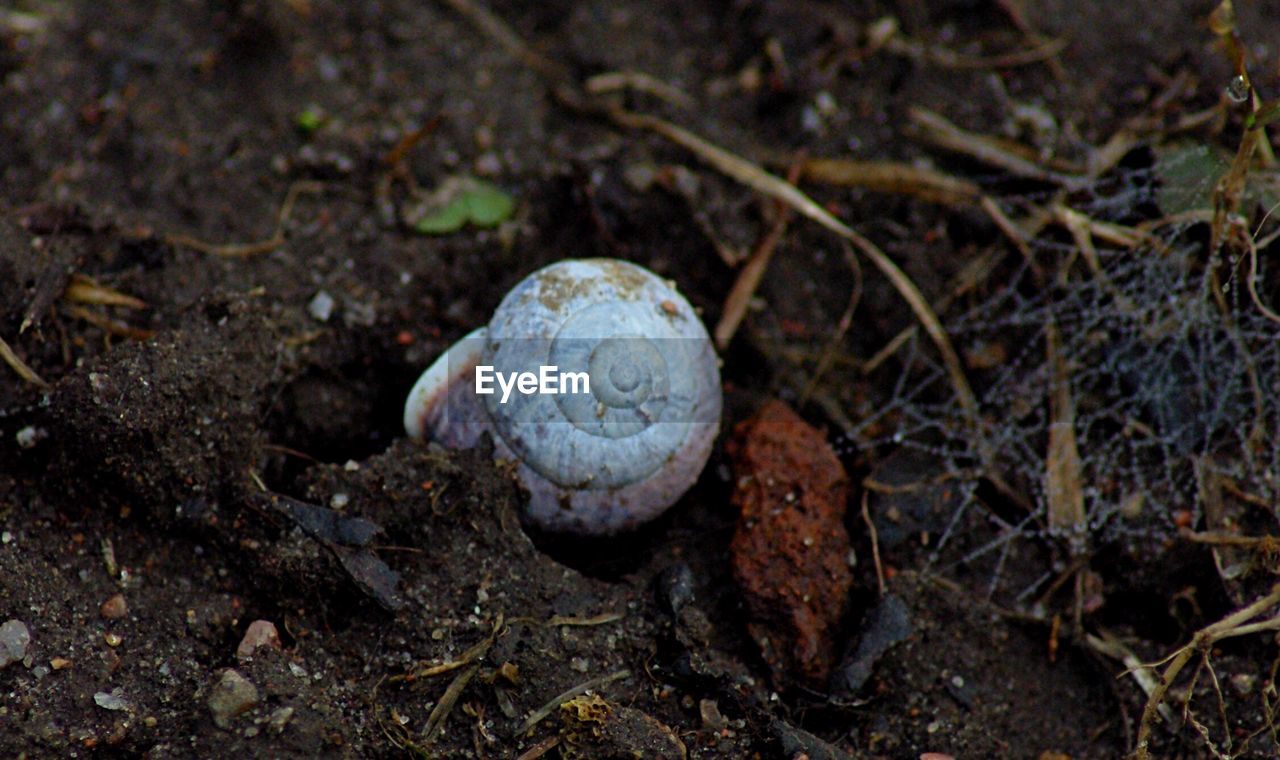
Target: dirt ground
227, 451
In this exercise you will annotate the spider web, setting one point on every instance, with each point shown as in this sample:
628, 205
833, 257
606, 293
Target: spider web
1171, 383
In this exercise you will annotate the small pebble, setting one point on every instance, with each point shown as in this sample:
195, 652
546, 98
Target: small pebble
1243, 683
14, 638
321, 306
113, 639
260, 633
279, 718
29, 436
114, 608
110, 700
712, 720
60, 663
231, 695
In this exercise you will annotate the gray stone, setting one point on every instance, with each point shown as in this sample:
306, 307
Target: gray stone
110, 700
886, 625
14, 638
231, 695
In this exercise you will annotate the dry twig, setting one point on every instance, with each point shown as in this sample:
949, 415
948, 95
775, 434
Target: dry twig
244, 250
84, 289
540, 749
602, 619
875, 542
1239, 623
744, 287
468, 657
435, 721
1016, 159
892, 177
639, 81
25, 372
538, 715
1109, 645
1044, 50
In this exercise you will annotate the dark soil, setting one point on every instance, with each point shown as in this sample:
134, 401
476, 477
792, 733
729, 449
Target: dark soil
176, 466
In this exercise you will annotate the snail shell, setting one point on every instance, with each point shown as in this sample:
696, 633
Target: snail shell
593, 462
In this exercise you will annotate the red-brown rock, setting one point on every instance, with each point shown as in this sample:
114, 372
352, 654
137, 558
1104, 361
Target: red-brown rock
114, 608
261, 633
790, 550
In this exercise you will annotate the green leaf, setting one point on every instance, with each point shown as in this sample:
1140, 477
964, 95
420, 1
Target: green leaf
310, 119
459, 201
451, 218
489, 205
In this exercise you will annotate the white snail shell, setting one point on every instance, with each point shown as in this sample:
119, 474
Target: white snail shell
598, 462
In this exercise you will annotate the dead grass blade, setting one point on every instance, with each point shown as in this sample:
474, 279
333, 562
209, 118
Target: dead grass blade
1002, 154
541, 713
1064, 486
875, 543
748, 280
930, 53
473, 653
108, 325
602, 619
435, 721
84, 289
971, 276
25, 372
612, 81
892, 177
1265, 543
540, 749
245, 250
1107, 644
